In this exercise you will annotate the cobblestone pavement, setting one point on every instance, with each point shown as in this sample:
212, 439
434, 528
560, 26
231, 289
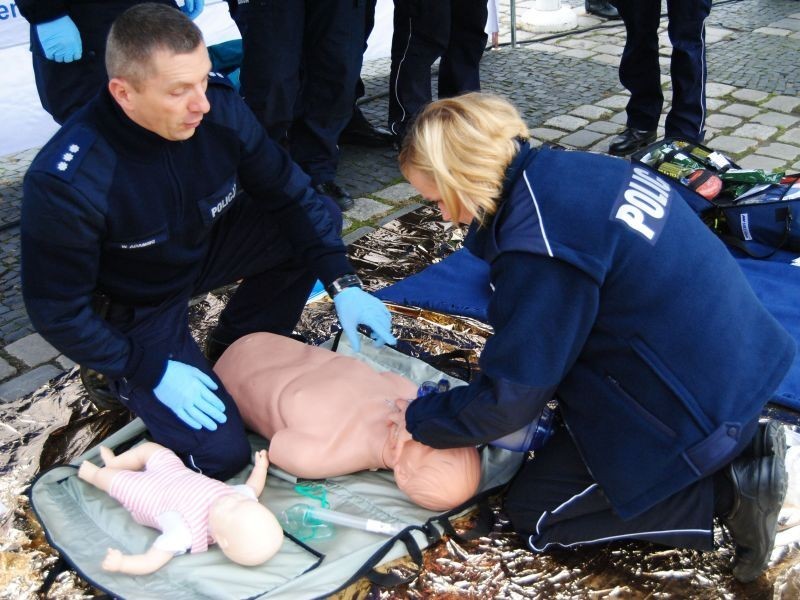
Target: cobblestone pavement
567, 89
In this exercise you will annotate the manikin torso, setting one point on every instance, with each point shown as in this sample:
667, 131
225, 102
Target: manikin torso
324, 414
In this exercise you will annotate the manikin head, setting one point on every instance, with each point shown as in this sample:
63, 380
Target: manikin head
436, 479
244, 529
158, 70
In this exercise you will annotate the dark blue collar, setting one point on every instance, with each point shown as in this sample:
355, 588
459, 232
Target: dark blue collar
517, 165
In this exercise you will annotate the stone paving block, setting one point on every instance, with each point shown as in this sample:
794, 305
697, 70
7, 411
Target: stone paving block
32, 350
399, 213
790, 24
581, 139
621, 118
664, 62
606, 59
6, 370
358, 233
582, 44
605, 127
778, 150
776, 119
611, 49
722, 121
756, 161
717, 90
795, 36
791, 136
784, 104
346, 224
756, 131
741, 110
729, 143
748, 95
617, 101
716, 34
773, 31
542, 47
547, 134
795, 168
593, 113
566, 122
65, 363
399, 192
578, 53
715, 103
27, 382
367, 208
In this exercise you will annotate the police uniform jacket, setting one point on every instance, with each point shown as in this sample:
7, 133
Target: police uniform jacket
611, 294
111, 206
42, 11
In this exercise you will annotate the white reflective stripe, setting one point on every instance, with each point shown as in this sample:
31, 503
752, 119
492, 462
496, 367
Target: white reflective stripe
538, 214
602, 539
702, 77
194, 466
397, 78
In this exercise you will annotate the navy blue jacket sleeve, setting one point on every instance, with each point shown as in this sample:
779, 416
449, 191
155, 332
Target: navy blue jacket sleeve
41, 11
60, 244
542, 311
268, 173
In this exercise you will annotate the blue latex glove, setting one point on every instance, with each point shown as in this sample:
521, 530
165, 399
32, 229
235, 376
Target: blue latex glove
356, 307
192, 8
188, 392
60, 40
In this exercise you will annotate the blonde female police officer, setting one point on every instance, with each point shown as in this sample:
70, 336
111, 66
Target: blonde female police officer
612, 296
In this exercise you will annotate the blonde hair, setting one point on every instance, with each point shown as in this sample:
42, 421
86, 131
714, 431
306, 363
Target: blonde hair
465, 144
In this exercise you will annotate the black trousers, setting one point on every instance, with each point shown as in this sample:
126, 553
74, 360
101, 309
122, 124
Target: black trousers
640, 73
301, 62
554, 501
425, 30
246, 245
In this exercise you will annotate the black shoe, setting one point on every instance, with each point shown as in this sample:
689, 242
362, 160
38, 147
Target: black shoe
601, 8
334, 190
360, 132
759, 486
630, 140
769, 440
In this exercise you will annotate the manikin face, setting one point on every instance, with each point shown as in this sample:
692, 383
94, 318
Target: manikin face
170, 102
426, 186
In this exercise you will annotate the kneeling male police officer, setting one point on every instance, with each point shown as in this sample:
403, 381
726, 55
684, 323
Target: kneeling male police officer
163, 187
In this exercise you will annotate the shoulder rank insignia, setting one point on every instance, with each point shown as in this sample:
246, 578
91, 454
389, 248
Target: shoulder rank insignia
67, 154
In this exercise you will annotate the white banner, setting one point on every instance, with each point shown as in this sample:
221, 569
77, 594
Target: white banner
13, 28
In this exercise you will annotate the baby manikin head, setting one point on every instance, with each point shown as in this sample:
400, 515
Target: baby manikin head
437, 479
245, 530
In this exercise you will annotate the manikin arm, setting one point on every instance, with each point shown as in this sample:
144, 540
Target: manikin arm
136, 564
258, 476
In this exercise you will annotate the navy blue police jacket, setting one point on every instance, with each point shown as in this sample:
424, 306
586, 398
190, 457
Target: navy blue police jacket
611, 295
110, 206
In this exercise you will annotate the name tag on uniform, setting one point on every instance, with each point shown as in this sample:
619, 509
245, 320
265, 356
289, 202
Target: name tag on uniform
643, 205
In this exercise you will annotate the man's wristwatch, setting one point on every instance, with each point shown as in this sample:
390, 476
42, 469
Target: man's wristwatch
345, 281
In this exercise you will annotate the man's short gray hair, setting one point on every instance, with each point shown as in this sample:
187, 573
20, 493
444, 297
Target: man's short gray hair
141, 31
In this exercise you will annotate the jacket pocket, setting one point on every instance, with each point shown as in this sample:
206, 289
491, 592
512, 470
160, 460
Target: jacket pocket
640, 410
213, 206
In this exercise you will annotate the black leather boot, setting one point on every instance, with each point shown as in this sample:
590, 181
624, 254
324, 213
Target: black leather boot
631, 140
601, 8
334, 191
759, 487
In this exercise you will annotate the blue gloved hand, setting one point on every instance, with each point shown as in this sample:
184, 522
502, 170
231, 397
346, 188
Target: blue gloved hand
192, 8
60, 40
188, 392
356, 307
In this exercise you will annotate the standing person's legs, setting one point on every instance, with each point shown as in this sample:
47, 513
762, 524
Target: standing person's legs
332, 53
687, 33
459, 69
272, 42
421, 34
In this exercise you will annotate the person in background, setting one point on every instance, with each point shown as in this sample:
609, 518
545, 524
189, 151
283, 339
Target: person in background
68, 43
164, 187
610, 295
640, 73
424, 31
299, 71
